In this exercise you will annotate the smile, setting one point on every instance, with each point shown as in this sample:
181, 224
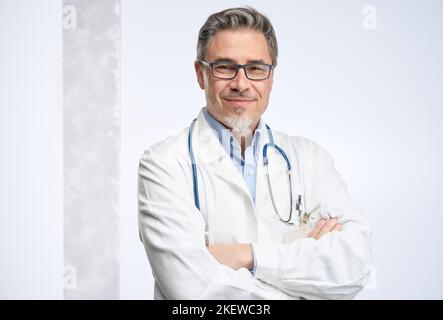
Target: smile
239, 102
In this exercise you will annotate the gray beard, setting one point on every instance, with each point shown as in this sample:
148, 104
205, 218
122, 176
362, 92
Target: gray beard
238, 125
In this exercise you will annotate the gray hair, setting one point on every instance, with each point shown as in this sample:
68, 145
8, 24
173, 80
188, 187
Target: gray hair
236, 18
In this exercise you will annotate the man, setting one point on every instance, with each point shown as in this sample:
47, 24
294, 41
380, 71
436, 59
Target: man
216, 222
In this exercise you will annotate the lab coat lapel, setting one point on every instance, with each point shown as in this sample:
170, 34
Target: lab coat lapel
261, 192
213, 157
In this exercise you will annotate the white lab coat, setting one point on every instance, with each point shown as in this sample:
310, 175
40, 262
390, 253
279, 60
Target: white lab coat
172, 229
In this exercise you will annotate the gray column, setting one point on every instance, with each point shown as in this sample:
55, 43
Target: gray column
91, 69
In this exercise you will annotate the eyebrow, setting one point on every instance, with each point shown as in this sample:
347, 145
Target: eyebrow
225, 59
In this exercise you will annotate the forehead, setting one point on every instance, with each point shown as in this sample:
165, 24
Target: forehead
240, 45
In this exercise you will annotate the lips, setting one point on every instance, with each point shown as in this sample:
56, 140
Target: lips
239, 101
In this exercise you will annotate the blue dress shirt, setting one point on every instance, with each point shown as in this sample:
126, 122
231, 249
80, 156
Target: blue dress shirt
247, 167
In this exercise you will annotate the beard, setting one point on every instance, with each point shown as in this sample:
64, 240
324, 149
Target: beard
240, 126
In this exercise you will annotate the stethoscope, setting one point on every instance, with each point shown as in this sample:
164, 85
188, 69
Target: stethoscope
303, 218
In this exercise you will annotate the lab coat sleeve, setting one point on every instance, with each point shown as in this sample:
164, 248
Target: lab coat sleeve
335, 267
172, 231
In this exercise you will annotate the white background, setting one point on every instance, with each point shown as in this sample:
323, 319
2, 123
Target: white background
373, 99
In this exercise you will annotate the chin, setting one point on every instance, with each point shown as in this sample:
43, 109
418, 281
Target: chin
239, 124
241, 112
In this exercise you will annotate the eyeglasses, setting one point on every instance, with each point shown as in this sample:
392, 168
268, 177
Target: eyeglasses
228, 70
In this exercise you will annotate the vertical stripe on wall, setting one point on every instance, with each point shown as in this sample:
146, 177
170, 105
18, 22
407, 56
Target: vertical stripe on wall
91, 120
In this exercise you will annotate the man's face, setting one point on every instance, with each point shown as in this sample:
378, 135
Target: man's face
239, 100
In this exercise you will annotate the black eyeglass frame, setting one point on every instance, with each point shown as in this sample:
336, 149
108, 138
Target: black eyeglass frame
237, 68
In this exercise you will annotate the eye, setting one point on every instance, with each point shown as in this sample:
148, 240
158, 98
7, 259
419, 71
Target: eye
225, 67
257, 69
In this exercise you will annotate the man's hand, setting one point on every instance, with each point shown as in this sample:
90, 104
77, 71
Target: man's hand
324, 226
235, 256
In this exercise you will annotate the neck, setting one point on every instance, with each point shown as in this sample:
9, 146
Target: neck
244, 137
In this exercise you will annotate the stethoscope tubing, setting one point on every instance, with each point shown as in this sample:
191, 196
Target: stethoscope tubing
265, 163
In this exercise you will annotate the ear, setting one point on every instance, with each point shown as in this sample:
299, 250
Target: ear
271, 78
199, 73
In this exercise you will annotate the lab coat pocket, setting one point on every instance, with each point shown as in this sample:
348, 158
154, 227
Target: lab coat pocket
300, 231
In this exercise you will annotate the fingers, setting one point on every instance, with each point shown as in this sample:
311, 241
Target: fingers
327, 227
317, 228
337, 227
324, 226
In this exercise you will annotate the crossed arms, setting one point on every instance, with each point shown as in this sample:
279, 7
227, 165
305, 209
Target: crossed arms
327, 265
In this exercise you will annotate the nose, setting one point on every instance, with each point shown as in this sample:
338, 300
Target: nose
240, 82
